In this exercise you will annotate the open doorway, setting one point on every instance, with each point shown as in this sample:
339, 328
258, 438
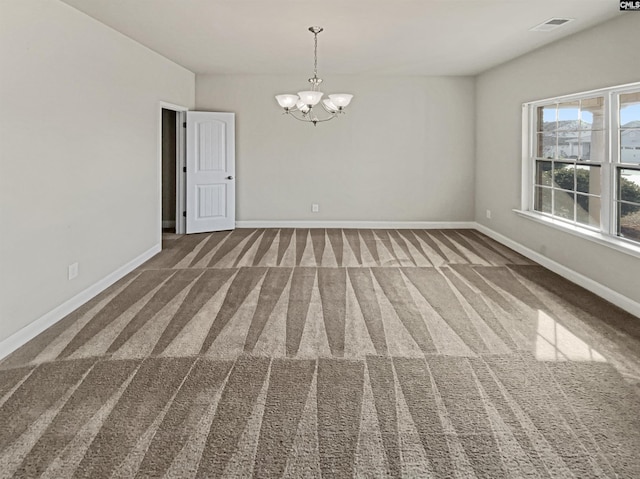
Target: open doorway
210, 180
169, 161
172, 163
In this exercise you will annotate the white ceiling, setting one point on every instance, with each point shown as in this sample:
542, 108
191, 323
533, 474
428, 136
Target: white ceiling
396, 37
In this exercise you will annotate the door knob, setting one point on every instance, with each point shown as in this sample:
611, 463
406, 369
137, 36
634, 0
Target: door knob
229, 177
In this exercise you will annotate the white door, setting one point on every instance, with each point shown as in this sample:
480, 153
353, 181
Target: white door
211, 184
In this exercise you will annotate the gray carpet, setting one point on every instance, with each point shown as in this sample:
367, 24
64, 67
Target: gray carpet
329, 353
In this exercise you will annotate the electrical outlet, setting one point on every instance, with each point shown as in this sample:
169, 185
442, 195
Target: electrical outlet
73, 270
315, 208
489, 214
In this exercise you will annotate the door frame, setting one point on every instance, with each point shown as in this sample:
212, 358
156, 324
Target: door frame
181, 118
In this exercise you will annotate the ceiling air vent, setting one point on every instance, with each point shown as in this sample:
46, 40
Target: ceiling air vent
551, 24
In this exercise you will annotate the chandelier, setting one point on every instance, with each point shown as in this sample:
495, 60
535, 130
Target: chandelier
301, 106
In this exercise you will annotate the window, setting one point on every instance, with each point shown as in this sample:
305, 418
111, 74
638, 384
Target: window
582, 161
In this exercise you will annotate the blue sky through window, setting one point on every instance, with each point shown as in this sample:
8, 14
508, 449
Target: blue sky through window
566, 114
629, 113
549, 114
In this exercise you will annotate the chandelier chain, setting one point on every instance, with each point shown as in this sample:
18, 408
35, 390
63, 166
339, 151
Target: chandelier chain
315, 56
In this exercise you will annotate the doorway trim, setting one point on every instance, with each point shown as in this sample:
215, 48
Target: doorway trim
181, 118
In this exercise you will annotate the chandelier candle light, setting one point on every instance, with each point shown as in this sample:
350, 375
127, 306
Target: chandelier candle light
300, 106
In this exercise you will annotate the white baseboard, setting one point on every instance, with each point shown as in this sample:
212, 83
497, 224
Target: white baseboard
610, 295
30, 331
357, 224
168, 224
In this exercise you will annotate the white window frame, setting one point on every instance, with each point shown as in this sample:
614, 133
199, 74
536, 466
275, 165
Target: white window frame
607, 234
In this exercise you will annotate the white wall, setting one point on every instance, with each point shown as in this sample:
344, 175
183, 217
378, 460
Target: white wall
79, 164
600, 57
404, 150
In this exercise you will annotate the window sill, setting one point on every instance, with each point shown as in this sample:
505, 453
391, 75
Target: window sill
614, 243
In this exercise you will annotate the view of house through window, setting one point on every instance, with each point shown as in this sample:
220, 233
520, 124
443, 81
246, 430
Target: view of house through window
628, 207
585, 160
